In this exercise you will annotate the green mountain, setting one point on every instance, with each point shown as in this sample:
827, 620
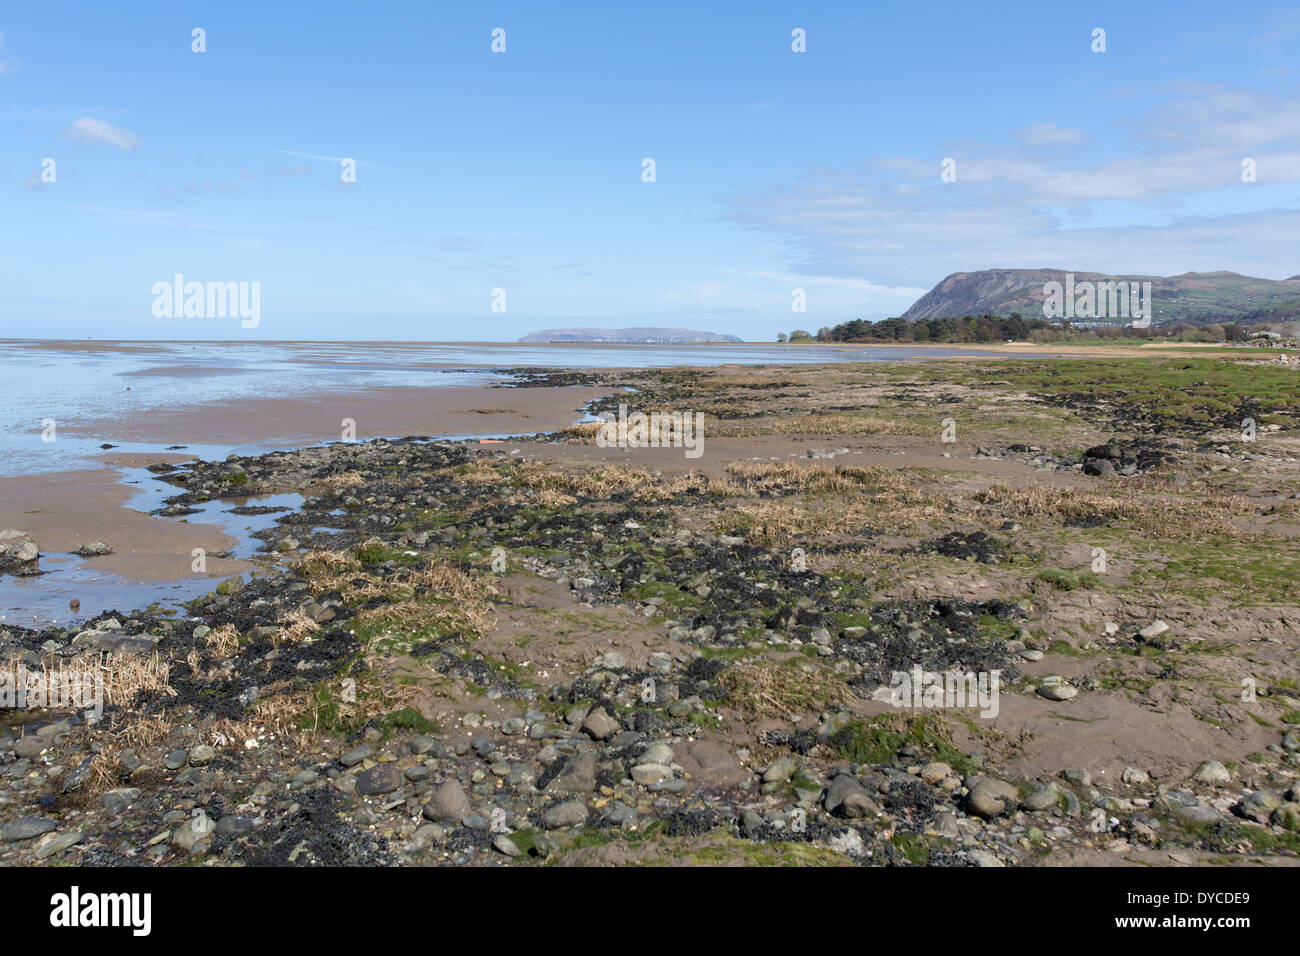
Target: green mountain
1198, 297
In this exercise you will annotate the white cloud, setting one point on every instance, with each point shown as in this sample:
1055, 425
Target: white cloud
1157, 198
828, 299
93, 132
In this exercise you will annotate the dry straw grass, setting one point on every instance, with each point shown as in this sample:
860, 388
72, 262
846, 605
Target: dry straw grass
276, 715
337, 571
416, 617
438, 597
222, 642
825, 500
782, 477
349, 479
543, 498
1160, 515
136, 732
809, 423
125, 675
776, 690
371, 697
119, 676
604, 482
782, 423
583, 433
294, 627
481, 471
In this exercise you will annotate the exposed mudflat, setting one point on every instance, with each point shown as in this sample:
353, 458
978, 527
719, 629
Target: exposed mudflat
544, 651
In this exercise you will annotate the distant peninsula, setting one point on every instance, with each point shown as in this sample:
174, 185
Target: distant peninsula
637, 334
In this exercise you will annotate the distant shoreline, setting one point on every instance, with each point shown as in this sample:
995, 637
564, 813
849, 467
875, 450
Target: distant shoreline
144, 346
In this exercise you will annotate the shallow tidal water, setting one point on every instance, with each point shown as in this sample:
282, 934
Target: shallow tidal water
41, 600
88, 381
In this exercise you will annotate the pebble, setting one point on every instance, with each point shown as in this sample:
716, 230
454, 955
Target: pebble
562, 816
1287, 816
647, 773
1044, 798
32, 746
1055, 688
57, 843
355, 755
599, 725
1259, 806
176, 759
194, 834
119, 799
379, 779
936, 772
448, 804
847, 797
234, 824
25, 828
991, 798
779, 770
504, 844
1212, 772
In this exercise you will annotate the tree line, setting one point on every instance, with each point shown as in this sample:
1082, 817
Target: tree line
969, 328
999, 328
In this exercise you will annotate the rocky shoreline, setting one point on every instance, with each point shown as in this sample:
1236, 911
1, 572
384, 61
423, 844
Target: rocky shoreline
456, 654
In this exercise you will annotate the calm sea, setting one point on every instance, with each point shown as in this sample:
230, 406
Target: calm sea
74, 382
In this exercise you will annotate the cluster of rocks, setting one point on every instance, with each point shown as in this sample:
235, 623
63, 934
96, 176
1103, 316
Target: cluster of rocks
556, 777
604, 755
1126, 458
18, 552
977, 546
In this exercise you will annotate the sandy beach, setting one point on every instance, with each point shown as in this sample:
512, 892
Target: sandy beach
395, 412
68, 509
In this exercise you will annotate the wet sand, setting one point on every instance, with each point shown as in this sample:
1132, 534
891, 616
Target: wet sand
379, 412
66, 510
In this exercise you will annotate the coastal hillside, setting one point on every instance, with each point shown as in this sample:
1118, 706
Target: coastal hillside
1190, 297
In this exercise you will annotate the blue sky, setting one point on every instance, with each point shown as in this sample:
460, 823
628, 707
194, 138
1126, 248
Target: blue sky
522, 170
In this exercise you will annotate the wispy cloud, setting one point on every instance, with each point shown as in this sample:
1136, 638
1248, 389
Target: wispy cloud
1049, 134
7, 66
328, 159
142, 217
1174, 201
93, 132
294, 152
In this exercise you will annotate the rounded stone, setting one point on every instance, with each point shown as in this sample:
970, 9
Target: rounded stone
379, 779
1212, 772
